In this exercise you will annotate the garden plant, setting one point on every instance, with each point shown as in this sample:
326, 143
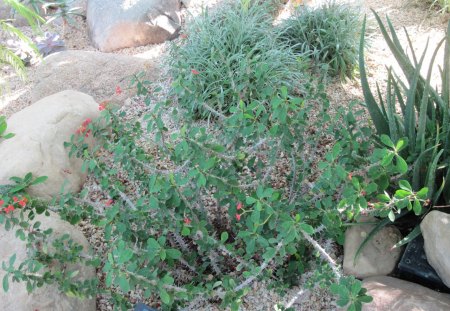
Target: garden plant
195, 209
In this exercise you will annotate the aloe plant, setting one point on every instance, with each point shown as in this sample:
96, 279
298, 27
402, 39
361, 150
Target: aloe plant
416, 111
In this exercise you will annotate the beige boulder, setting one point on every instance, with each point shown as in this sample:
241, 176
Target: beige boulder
377, 257
48, 297
94, 73
435, 229
390, 294
38, 145
118, 24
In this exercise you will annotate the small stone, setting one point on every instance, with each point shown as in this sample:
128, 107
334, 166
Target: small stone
377, 257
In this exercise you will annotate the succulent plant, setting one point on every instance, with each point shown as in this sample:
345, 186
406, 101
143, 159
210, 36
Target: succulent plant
22, 49
49, 43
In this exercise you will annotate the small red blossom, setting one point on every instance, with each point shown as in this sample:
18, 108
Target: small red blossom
195, 72
238, 217
350, 176
187, 221
118, 90
109, 202
102, 105
2, 202
183, 36
15, 199
23, 202
9, 209
363, 193
83, 127
239, 206
87, 133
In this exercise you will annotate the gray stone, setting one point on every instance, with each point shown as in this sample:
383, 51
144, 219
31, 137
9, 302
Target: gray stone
377, 257
80, 71
38, 145
117, 24
435, 229
390, 294
48, 297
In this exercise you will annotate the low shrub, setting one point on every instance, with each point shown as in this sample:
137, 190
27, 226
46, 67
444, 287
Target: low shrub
328, 34
230, 55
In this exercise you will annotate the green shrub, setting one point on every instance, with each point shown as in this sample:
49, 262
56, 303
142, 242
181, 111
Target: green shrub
229, 55
328, 34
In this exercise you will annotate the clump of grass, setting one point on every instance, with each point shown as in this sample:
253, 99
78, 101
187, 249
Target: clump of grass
328, 34
443, 4
232, 55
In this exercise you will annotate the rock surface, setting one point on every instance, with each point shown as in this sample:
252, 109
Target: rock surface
377, 257
117, 24
38, 145
94, 73
48, 297
435, 229
390, 294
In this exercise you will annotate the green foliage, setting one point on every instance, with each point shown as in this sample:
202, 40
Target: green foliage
3, 127
416, 114
230, 55
350, 293
7, 56
328, 34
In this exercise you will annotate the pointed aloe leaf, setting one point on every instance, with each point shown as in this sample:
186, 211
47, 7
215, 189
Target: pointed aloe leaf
411, 236
431, 178
446, 90
424, 106
418, 172
378, 119
390, 108
410, 45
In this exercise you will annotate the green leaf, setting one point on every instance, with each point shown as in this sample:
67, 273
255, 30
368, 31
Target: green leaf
307, 228
411, 236
417, 207
165, 297
269, 254
123, 283
391, 216
402, 166
173, 253
224, 237
39, 180
404, 184
5, 283
387, 141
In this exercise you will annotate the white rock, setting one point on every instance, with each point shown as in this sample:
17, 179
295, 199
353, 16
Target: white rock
390, 294
377, 257
47, 298
435, 229
117, 24
38, 145
80, 71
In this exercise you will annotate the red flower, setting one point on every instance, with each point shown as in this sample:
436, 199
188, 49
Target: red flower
349, 176
183, 36
87, 122
109, 202
87, 133
2, 202
195, 72
83, 127
238, 217
23, 202
118, 90
239, 206
102, 105
9, 209
187, 221
15, 199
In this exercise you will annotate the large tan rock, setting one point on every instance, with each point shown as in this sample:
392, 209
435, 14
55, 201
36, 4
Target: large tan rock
377, 257
117, 24
435, 229
38, 145
94, 73
48, 297
390, 294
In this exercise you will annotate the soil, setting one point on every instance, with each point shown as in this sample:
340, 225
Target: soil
417, 19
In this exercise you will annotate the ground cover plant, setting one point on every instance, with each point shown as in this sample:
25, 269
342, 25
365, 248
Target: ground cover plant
232, 54
328, 34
